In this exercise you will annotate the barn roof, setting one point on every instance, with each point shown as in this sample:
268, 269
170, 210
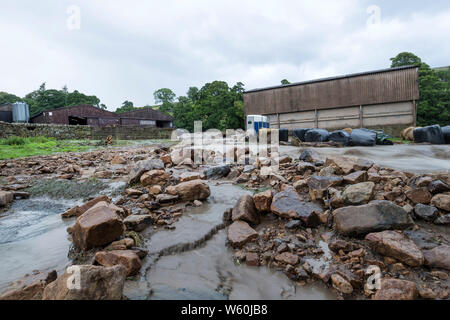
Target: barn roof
352, 75
146, 113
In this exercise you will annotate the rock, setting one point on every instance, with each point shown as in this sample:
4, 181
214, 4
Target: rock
191, 190
396, 245
339, 245
188, 176
138, 222
31, 287
311, 155
356, 177
373, 177
293, 224
97, 227
263, 200
6, 198
127, 243
240, 233
373, 217
217, 172
166, 159
421, 195
21, 195
302, 167
346, 165
318, 185
96, 283
287, 258
438, 186
327, 171
287, 204
127, 258
197, 203
300, 184
340, 284
427, 294
441, 201
394, 289
166, 198
133, 192
118, 160
252, 259
249, 169
284, 160
245, 210
426, 213
142, 166
358, 193
155, 190
438, 257
152, 177
443, 220
103, 174
78, 211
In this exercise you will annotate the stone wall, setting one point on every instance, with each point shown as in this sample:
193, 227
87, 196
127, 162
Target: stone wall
65, 132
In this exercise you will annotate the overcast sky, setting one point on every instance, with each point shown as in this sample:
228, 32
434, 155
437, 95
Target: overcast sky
125, 50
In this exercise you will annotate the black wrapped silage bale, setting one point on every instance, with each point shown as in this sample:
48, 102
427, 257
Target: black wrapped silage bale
340, 136
300, 134
446, 133
363, 138
431, 134
284, 135
317, 135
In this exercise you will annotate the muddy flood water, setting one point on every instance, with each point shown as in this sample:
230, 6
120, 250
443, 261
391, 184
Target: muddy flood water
192, 261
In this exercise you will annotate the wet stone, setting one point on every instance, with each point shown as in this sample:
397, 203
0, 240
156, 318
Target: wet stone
245, 210
394, 289
438, 186
425, 212
239, 233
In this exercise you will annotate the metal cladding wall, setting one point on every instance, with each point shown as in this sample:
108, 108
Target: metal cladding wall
383, 87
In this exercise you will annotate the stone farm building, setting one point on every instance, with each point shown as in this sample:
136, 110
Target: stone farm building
384, 99
92, 116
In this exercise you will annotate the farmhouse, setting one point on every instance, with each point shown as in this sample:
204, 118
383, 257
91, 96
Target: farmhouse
92, 116
383, 99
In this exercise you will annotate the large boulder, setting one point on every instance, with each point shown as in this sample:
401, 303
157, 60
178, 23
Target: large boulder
438, 186
143, 166
396, 245
6, 198
441, 201
245, 210
358, 193
394, 289
287, 204
263, 200
373, 217
79, 210
347, 165
96, 283
191, 190
438, 257
154, 177
311, 155
97, 227
128, 258
239, 233
318, 185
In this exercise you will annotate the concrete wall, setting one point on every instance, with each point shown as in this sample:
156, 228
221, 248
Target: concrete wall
392, 118
65, 132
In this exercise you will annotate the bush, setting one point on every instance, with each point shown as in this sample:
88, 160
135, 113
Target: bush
40, 139
13, 141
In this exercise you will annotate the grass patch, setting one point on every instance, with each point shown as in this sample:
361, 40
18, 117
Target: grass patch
18, 147
400, 140
66, 189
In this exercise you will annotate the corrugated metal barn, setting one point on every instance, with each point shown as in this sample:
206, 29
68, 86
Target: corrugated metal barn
92, 116
377, 99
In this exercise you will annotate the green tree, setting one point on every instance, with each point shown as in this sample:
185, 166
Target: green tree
126, 106
285, 82
166, 98
6, 97
434, 103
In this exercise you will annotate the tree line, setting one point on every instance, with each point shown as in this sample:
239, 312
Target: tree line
221, 106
